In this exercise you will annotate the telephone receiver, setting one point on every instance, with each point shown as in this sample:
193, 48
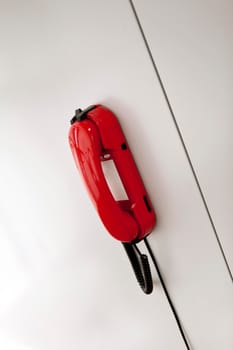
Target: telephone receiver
96, 136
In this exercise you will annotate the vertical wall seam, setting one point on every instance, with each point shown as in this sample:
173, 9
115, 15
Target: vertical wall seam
181, 138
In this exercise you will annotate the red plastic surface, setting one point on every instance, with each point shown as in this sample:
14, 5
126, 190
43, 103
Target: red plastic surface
92, 138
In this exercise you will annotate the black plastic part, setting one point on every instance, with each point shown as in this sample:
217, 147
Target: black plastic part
81, 114
147, 203
141, 267
123, 146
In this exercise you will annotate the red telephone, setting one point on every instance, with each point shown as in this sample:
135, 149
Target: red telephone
96, 136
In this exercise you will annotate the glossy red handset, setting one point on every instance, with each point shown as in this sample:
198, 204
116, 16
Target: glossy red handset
96, 136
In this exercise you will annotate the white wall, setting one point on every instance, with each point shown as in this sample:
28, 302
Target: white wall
65, 283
